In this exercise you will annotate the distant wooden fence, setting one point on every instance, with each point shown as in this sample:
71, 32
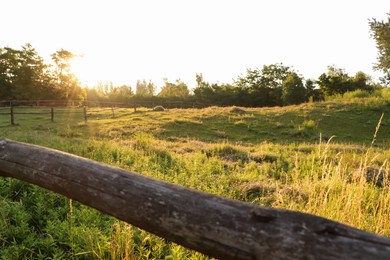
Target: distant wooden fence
94, 103
215, 226
12, 111
10, 107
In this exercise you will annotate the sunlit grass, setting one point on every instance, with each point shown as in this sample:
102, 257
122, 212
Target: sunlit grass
314, 158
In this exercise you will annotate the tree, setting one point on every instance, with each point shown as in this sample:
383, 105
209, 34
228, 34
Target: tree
294, 91
218, 94
380, 31
205, 94
362, 81
312, 91
264, 86
67, 83
179, 89
24, 75
204, 91
335, 81
121, 93
145, 89
151, 89
124, 90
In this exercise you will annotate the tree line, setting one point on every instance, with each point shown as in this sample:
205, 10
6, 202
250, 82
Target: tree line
24, 75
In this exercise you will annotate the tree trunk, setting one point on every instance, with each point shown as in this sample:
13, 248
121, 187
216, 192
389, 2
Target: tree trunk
215, 226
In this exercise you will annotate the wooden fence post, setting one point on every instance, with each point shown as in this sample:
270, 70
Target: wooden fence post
12, 115
85, 114
52, 114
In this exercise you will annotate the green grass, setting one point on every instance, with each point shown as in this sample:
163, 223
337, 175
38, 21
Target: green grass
316, 158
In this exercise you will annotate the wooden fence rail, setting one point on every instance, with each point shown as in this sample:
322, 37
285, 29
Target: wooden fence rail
213, 225
94, 103
12, 112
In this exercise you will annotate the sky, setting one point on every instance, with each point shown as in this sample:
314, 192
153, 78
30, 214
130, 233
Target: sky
125, 40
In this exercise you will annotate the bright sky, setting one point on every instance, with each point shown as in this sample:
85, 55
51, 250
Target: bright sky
125, 40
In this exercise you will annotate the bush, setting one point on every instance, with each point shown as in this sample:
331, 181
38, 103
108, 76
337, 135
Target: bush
385, 93
309, 124
357, 94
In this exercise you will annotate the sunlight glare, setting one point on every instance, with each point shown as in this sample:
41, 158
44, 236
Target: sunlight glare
92, 70
85, 71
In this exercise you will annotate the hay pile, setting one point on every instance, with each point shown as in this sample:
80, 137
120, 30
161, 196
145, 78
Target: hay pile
159, 108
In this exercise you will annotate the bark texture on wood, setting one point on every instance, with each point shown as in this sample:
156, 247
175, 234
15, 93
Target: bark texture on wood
216, 226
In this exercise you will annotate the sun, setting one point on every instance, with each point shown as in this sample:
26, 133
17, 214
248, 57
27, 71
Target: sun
86, 71
92, 70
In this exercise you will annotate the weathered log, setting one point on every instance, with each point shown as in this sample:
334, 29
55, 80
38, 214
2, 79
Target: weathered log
215, 226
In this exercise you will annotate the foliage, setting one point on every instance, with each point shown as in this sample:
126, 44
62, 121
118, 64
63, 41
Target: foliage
145, 89
25, 76
65, 80
380, 31
219, 94
278, 85
179, 89
257, 88
337, 81
294, 91
265, 85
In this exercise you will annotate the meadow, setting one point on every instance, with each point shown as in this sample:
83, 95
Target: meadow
329, 158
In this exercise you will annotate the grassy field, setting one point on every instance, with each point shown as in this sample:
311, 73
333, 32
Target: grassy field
330, 159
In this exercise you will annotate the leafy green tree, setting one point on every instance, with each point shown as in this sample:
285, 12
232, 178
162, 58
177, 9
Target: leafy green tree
224, 94
204, 94
66, 82
124, 90
151, 87
264, 87
204, 91
335, 81
294, 92
24, 75
362, 81
312, 91
380, 31
141, 88
145, 89
200, 82
121, 93
179, 89
218, 94
310, 85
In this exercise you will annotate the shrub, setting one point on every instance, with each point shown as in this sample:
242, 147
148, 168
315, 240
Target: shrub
309, 124
356, 94
385, 93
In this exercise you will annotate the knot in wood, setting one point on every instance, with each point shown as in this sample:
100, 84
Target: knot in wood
261, 215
